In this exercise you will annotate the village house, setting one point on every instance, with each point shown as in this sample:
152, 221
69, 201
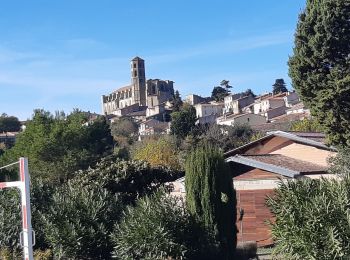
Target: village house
153, 127
8, 138
193, 99
291, 99
298, 108
247, 118
266, 104
236, 102
207, 113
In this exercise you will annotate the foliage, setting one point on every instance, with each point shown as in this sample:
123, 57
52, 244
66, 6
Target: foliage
312, 219
228, 137
177, 102
9, 123
2, 148
159, 152
158, 227
56, 147
306, 125
75, 219
279, 86
10, 224
124, 131
183, 122
78, 224
220, 92
43, 254
128, 180
340, 164
249, 92
10, 216
210, 196
320, 65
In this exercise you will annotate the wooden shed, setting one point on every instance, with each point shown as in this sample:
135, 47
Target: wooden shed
259, 166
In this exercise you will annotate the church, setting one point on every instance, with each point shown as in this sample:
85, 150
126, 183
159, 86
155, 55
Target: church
141, 96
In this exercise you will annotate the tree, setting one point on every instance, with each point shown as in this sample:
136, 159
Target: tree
183, 121
279, 87
177, 102
228, 137
249, 92
56, 147
125, 133
220, 92
210, 196
226, 84
9, 123
320, 65
306, 125
159, 152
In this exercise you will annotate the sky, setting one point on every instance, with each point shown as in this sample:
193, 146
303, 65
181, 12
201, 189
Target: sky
64, 54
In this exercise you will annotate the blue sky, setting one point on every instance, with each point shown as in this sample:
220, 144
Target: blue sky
60, 55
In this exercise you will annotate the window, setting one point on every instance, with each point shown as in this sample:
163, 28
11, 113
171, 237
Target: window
135, 73
134, 65
248, 119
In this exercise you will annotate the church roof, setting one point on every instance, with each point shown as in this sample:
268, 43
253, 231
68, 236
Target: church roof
123, 88
137, 58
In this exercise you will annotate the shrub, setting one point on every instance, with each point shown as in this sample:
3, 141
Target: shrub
127, 179
10, 221
79, 222
159, 152
159, 227
312, 219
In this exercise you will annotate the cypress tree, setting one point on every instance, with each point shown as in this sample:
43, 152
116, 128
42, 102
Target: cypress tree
210, 196
320, 65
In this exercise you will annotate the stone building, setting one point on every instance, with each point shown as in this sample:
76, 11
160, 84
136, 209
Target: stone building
139, 95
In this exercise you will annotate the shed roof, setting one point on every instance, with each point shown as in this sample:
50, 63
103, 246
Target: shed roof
311, 139
279, 164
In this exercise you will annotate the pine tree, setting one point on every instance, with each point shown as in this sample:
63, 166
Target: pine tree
210, 196
177, 102
279, 86
320, 65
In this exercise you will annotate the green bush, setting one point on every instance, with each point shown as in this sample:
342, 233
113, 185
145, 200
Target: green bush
312, 219
159, 227
79, 222
127, 179
10, 220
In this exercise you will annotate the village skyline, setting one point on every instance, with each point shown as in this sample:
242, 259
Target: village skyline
76, 56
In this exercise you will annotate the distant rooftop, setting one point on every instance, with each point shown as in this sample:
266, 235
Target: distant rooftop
137, 58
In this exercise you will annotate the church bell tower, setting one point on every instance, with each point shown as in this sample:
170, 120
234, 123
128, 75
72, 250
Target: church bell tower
138, 79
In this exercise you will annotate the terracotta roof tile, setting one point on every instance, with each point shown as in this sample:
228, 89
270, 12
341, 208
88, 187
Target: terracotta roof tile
287, 162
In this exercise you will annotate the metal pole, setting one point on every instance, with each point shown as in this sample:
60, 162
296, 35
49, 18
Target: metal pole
26, 210
26, 236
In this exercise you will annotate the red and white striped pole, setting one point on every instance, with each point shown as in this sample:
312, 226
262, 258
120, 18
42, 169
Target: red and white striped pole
26, 236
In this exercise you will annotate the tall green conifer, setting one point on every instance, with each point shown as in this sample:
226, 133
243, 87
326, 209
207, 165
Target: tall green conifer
210, 196
320, 65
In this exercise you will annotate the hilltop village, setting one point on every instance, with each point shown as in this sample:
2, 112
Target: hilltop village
150, 103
